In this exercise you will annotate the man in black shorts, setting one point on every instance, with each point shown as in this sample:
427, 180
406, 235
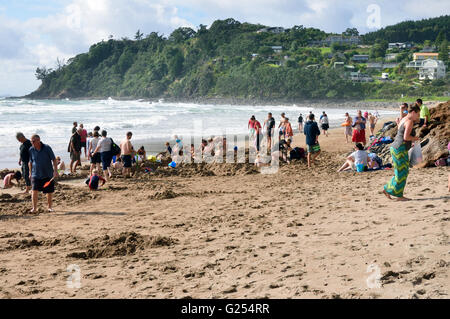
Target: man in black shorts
24, 159
43, 169
75, 151
269, 124
127, 152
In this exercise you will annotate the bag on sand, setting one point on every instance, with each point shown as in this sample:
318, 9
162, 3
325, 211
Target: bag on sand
415, 154
115, 149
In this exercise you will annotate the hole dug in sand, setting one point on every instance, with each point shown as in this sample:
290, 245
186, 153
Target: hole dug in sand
123, 244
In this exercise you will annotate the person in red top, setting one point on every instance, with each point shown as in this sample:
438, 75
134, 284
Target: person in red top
258, 132
288, 133
83, 135
251, 126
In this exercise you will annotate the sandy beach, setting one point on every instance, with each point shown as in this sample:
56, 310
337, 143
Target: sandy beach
226, 231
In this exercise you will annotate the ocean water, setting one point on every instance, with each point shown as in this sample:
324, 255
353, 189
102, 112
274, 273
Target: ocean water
152, 123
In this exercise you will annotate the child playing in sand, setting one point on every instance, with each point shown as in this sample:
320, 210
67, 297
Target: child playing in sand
7, 181
61, 165
93, 180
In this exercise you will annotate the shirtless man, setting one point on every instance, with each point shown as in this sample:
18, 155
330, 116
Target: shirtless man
372, 122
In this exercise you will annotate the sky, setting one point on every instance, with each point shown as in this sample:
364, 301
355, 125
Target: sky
36, 33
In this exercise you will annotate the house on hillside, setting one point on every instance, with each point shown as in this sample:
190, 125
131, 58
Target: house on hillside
381, 65
338, 65
425, 55
350, 40
360, 58
428, 49
399, 45
390, 56
313, 66
275, 30
432, 70
359, 77
415, 64
277, 48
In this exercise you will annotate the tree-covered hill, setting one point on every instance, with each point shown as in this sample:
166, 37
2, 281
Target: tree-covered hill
412, 31
229, 59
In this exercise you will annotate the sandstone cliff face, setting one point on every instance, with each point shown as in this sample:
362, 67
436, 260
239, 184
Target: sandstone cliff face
434, 138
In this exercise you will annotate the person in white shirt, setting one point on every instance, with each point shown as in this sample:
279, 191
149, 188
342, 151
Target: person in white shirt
104, 148
95, 159
358, 157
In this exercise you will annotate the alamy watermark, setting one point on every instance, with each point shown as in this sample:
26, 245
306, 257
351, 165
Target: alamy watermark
374, 19
198, 147
374, 279
74, 279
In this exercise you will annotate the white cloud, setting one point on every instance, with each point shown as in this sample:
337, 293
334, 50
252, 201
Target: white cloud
81, 23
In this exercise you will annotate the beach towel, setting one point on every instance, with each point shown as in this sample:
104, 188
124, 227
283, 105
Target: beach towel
400, 160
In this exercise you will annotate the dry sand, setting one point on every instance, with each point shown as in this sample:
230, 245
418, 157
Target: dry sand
227, 232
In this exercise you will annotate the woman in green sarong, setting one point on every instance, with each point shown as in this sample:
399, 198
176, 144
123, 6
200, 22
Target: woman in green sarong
399, 152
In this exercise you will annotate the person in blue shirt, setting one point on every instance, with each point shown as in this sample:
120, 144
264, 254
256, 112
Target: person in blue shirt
312, 133
43, 169
94, 179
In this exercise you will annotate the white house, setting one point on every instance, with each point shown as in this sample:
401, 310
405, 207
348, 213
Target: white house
277, 49
390, 56
360, 58
275, 30
399, 45
432, 69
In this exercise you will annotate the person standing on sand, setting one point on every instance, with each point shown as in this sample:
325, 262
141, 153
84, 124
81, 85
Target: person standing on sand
75, 151
127, 152
104, 148
74, 128
281, 126
258, 134
83, 135
288, 133
24, 159
251, 126
359, 132
399, 152
300, 123
43, 168
403, 112
372, 123
269, 125
95, 159
324, 123
424, 113
312, 133
348, 126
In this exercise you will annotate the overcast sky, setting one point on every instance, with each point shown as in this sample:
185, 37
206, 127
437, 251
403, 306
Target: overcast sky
36, 33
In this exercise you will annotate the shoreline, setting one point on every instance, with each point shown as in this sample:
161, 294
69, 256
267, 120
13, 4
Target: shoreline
241, 101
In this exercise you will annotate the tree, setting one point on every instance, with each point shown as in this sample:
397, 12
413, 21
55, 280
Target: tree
181, 34
440, 37
139, 35
379, 49
443, 51
42, 73
60, 63
351, 32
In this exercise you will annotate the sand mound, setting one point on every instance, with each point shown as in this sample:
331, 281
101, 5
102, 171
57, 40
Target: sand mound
18, 240
123, 244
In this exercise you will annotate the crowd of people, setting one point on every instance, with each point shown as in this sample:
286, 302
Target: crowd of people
40, 167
